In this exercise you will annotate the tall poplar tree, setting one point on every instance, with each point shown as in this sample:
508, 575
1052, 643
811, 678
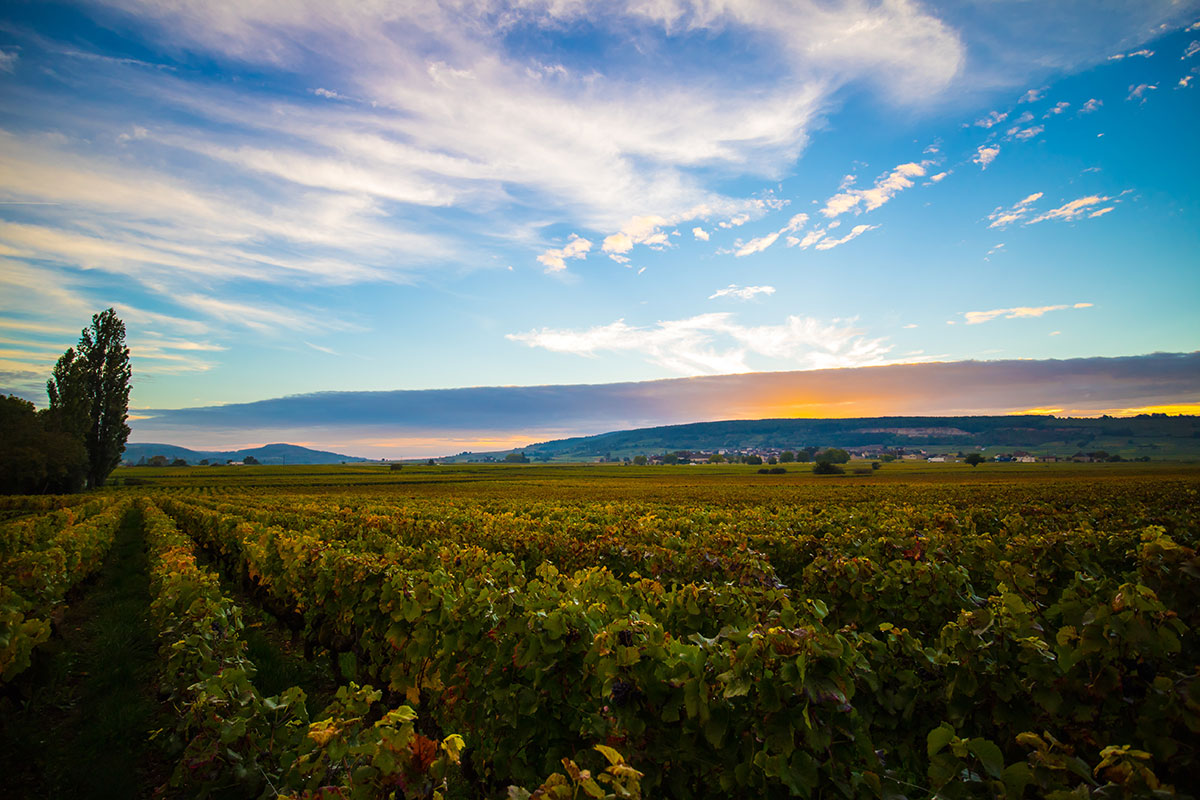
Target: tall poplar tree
89, 394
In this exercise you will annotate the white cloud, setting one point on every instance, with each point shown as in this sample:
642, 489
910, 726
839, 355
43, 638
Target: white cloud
810, 238
638, 230
716, 343
1019, 312
1140, 91
742, 292
556, 260
328, 94
1033, 95
1058, 109
761, 243
262, 317
322, 349
1135, 54
886, 187
1072, 210
451, 115
8, 60
985, 154
757, 245
1003, 217
1192, 49
991, 120
939, 177
1023, 211
1091, 105
1024, 134
700, 234
855, 232
1184, 82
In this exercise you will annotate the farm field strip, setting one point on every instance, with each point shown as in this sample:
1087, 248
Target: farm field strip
867, 629
42, 557
232, 737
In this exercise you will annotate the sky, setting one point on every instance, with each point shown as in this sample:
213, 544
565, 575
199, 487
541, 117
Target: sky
379, 198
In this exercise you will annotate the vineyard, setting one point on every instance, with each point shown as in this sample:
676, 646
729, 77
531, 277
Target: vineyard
607, 632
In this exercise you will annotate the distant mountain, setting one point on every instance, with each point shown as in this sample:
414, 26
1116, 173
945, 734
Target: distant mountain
267, 454
1155, 435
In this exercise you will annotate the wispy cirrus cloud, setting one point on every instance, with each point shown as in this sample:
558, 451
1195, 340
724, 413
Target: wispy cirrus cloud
1143, 53
828, 243
1019, 134
742, 292
886, 187
1075, 209
757, 245
715, 343
1023, 210
1141, 91
991, 120
1018, 312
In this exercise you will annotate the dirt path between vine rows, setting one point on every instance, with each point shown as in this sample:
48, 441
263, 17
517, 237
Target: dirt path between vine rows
81, 722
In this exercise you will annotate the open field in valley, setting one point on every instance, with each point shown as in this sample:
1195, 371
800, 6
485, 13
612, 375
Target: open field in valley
919, 630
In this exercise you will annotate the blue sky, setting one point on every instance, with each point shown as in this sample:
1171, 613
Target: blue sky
284, 198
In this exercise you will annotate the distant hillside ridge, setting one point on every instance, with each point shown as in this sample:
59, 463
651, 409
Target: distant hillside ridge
267, 454
1155, 435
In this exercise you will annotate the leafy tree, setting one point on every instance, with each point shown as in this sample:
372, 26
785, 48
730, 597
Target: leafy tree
179, 462
975, 459
33, 457
716, 458
89, 394
834, 455
772, 460
158, 461
787, 457
251, 460
516, 458
754, 460
827, 468
639, 461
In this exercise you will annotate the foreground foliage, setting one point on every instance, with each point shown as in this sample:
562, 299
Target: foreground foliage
1037, 643
991, 640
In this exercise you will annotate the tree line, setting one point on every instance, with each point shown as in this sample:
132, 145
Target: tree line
76, 441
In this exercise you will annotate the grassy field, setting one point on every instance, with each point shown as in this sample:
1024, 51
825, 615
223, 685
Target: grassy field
615, 477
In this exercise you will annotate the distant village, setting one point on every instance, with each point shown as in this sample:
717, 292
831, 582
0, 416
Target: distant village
779, 455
